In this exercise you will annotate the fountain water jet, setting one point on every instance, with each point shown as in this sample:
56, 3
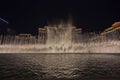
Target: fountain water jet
61, 38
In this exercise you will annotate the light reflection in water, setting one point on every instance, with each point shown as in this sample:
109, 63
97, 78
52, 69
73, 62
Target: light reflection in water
62, 65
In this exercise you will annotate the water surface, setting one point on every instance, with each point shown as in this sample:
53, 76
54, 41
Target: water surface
59, 66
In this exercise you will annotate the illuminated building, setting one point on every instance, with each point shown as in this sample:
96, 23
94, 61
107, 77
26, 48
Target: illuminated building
42, 35
25, 39
111, 32
58, 34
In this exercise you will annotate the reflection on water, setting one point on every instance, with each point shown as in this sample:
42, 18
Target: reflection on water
59, 66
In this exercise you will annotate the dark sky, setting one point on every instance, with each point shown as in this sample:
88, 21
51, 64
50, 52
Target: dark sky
25, 16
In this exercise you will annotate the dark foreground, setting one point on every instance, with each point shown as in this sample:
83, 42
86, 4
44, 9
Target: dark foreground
59, 66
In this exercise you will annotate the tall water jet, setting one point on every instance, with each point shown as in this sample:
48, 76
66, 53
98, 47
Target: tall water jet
62, 38
59, 36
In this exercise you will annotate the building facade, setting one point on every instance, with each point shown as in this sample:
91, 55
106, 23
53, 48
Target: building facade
25, 39
59, 34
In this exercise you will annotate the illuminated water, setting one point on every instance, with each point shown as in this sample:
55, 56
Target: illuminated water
62, 38
59, 66
108, 46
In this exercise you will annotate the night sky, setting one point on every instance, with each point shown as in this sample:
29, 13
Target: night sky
25, 16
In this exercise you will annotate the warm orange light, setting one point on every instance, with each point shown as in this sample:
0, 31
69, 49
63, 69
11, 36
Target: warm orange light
116, 24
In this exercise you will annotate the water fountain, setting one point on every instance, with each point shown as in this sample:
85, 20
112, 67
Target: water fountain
62, 38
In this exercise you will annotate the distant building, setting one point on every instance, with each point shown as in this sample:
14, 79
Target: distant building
25, 39
116, 24
112, 32
58, 34
42, 35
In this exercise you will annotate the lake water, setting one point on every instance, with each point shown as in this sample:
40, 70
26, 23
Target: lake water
59, 66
